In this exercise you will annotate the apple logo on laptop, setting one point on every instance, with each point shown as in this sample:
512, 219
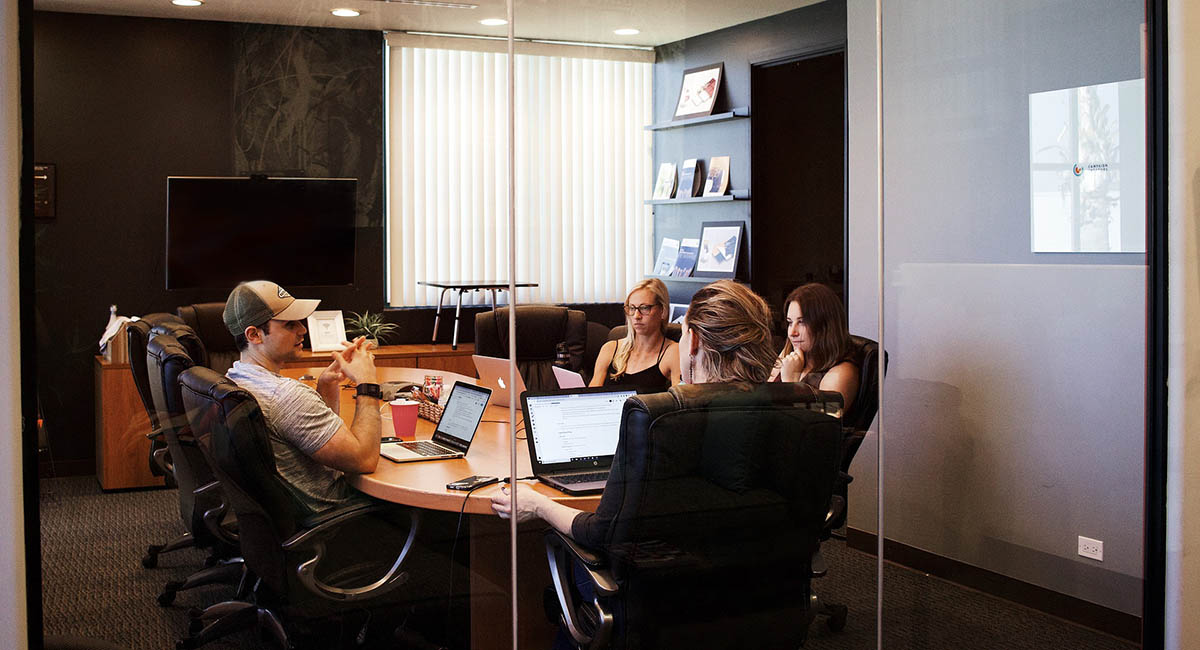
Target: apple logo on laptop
501, 381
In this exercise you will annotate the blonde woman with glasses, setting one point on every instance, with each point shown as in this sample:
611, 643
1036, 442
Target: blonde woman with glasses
645, 359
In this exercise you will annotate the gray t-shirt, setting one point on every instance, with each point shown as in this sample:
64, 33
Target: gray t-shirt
300, 424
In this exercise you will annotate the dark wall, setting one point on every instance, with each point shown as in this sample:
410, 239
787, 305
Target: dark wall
810, 29
120, 104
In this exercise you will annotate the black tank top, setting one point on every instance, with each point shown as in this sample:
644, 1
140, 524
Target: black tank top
648, 380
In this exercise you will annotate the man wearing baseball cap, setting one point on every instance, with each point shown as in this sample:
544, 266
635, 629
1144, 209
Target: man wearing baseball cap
313, 446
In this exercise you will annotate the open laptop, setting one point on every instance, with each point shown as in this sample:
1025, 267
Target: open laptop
572, 435
568, 378
454, 432
493, 373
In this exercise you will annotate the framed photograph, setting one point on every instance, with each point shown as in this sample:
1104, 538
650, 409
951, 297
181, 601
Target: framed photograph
698, 92
678, 311
720, 243
326, 331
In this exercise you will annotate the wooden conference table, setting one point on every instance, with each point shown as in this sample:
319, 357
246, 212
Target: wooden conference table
423, 485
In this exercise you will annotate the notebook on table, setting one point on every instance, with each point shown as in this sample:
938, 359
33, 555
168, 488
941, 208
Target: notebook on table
493, 373
455, 430
572, 435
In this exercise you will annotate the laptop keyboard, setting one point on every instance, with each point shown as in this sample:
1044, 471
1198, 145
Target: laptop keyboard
571, 479
426, 448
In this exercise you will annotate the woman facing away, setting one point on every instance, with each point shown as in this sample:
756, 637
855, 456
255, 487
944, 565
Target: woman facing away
726, 338
645, 359
818, 343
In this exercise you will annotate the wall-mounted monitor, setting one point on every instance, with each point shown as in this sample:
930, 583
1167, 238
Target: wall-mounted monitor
294, 231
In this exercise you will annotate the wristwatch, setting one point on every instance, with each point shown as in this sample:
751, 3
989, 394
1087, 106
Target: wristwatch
370, 390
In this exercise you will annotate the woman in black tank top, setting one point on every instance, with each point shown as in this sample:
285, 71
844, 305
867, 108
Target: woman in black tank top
645, 359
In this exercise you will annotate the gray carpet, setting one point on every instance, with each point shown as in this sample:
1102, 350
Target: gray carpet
94, 586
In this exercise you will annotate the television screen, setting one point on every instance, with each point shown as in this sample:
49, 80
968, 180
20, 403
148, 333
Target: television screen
294, 231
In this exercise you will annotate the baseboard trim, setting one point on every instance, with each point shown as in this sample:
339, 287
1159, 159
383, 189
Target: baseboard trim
1110, 621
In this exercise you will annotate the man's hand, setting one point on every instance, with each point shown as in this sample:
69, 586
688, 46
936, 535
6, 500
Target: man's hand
329, 384
357, 362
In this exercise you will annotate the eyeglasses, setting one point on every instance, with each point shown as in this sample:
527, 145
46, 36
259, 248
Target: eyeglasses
643, 309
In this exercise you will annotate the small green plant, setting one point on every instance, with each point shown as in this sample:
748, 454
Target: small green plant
373, 326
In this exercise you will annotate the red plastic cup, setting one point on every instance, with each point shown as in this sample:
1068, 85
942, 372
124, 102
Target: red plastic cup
404, 418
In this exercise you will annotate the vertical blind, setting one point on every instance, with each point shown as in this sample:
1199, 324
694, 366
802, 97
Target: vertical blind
583, 171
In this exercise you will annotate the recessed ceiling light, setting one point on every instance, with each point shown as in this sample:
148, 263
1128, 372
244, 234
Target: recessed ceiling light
186, 3
493, 22
626, 31
345, 13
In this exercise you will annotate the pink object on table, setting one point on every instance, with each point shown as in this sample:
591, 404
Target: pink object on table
404, 418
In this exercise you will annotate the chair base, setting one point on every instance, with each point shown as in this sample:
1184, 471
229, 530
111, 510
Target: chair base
225, 572
836, 614
150, 560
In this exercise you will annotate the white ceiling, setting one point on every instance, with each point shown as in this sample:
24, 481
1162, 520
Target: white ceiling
592, 21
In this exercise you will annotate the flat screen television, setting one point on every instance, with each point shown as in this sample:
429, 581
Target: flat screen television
298, 232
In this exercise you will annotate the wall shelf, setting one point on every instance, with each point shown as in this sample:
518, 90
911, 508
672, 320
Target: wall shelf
738, 113
735, 195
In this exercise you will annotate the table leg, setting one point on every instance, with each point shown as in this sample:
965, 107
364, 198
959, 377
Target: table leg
437, 316
457, 313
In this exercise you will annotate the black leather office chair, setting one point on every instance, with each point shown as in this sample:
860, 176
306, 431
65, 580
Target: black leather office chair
202, 509
207, 321
856, 420
136, 334
305, 565
540, 328
715, 503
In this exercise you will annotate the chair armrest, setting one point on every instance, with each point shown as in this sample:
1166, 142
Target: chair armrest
162, 458
215, 515
326, 523
563, 554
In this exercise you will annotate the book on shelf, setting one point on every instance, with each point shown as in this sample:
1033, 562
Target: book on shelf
718, 176
664, 188
667, 252
689, 249
691, 178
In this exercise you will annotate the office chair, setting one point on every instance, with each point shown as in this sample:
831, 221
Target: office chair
540, 328
207, 321
716, 501
856, 420
202, 509
674, 331
304, 565
136, 334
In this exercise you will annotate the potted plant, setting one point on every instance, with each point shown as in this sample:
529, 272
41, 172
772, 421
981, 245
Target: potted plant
373, 326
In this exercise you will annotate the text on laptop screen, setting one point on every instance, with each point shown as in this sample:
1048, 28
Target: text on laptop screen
576, 427
463, 411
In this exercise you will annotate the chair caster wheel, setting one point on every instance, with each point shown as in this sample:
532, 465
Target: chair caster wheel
837, 619
195, 626
195, 613
150, 560
166, 598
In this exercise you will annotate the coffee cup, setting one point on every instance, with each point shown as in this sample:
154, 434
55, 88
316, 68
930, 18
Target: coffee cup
404, 418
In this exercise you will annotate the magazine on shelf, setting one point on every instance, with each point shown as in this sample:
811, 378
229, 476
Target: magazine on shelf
688, 250
667, 253
664, 188
718, 176
691, 179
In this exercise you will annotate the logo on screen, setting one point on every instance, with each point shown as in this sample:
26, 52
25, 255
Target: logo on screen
501, 381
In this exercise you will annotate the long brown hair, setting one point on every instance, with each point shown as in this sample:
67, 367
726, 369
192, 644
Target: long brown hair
734, 327
825, 317
625, 346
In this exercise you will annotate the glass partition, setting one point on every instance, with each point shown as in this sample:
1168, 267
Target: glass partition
1014, 318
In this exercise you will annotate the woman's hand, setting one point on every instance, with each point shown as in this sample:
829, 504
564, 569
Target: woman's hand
792, 367
528, 503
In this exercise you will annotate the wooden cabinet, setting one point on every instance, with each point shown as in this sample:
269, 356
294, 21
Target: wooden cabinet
123, 451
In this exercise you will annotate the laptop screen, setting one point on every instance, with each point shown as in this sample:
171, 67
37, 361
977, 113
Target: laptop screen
463, 411
575, 426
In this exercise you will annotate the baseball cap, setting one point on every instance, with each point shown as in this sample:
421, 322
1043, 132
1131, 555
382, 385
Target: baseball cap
254, 303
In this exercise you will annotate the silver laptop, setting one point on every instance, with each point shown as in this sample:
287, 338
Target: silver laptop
572, 435
455, 430
493, 373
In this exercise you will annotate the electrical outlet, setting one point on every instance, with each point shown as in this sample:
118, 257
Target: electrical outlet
1091, 548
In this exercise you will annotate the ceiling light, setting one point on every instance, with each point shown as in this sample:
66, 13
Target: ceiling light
626, 31
186, 3
345, 13
493, 22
